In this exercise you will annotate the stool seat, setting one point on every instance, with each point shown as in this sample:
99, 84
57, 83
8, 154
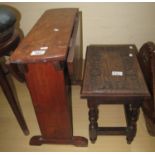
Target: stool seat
7, 18
112, 70
7, 22
112, 75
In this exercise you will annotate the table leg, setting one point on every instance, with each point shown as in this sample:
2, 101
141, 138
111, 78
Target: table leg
12, 101
93, 116
132, 117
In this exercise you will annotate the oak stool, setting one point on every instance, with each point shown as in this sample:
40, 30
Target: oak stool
112, 75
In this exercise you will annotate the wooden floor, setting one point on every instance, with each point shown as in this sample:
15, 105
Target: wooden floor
12, 138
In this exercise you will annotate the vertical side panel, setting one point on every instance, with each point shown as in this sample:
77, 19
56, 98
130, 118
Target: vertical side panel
50, 100
75, 57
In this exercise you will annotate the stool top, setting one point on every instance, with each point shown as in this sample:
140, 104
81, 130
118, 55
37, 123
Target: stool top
113, 71
10, 45
49, 39
7, 18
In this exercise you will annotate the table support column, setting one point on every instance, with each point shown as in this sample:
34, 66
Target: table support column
132, 114
93, 117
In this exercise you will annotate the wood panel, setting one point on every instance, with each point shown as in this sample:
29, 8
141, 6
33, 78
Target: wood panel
75, 57
49, 97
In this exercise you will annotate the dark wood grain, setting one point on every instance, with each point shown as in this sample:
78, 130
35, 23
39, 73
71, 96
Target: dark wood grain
146, 58
101, 86
98, 78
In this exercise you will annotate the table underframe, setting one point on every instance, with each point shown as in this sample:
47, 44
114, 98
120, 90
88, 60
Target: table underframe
131, 113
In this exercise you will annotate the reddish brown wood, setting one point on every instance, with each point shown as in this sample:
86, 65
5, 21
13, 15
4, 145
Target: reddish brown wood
49, 97
63, 38
6, 47
146, 58
53, 30
112, 75
75, 57
75, 140
47, 76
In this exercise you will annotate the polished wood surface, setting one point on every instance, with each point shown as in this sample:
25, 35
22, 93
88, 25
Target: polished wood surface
49, 76
146, 58
53, 30
53, 112
6, 48
112, 75
101, 61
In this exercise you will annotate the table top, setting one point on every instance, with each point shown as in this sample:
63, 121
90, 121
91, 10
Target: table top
49, 38
113, 71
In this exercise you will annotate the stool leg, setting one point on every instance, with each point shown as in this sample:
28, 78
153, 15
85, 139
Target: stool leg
93, 116
132, 117
12, 101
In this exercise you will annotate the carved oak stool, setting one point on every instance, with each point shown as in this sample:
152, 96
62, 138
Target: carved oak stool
112, 75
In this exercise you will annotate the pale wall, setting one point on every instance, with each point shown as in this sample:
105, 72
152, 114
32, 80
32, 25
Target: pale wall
103, 23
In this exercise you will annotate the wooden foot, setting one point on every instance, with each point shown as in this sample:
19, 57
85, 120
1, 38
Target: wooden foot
75, 140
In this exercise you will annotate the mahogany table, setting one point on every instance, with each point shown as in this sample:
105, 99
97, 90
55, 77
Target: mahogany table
112, 75
51, 57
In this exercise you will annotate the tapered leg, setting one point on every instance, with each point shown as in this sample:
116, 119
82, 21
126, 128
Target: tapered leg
132, 111
12, 101
93, 116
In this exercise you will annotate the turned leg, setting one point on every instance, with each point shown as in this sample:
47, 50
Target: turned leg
132, 111
12, 101
93, 116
